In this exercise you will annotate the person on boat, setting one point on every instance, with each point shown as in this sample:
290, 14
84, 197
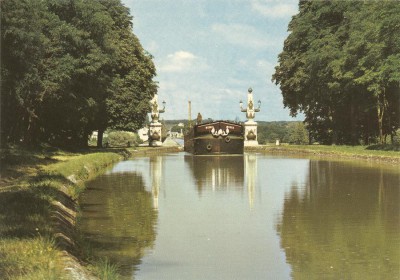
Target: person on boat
199, 118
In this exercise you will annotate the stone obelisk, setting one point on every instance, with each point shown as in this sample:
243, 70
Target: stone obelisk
155, 125
250, 126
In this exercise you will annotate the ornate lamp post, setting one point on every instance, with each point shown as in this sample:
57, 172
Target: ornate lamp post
155, 125
250, 126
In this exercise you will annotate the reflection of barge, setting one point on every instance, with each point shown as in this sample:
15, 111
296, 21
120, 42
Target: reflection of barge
221, 173
219, 137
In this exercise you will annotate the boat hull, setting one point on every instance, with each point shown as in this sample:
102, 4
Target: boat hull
215, 138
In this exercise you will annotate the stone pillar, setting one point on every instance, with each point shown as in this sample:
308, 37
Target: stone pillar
250, 126
250, 133
155, 125
155, 135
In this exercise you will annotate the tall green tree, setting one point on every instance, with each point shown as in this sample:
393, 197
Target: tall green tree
339, 66
24, 45
132, 87
63, 64
375, 44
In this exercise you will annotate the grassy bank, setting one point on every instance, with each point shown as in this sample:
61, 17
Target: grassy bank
388, 154
38, 202
38, 193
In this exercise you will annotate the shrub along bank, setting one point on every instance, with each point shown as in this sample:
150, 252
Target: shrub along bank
38, 194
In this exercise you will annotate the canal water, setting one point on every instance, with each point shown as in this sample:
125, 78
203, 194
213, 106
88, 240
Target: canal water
253, 216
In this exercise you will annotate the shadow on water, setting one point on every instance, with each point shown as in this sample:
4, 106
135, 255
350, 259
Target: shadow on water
343, 224
118, 219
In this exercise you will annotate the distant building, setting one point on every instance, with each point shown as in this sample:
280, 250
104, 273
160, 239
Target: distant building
175, 134
94, 135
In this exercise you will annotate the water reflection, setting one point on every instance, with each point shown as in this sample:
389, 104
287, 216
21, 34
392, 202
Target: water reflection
250, 166
344, 224
217, 172
119, 219
335, 220
156, 165
225, 173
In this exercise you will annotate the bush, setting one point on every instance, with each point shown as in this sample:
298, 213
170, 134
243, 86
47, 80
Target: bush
297, 134
121, 139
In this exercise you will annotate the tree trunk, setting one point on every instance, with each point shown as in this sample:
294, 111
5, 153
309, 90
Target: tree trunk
100, 138
29, 131
381, 106
353, 126
380, 124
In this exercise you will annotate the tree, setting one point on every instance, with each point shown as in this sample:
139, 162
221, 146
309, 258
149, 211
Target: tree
132, 87
297, 134
329, 69
26, 75
68, 68
375, 43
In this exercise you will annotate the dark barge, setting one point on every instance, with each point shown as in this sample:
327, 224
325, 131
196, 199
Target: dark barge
219, 137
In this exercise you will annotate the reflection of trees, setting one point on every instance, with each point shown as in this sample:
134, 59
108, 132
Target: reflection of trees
217, 172
119, 219
345, 225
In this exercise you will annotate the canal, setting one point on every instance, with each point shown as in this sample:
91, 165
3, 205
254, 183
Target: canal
255, 216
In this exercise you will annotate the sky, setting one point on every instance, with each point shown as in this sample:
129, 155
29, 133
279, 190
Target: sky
210, 52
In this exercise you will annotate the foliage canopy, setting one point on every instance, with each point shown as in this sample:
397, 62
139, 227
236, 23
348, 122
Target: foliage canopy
340, 65
69, 68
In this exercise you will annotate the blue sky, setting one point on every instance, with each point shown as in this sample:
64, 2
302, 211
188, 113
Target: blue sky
211, 51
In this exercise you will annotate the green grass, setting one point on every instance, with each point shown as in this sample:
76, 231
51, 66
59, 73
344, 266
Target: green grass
346, 150
33, 258
37, 194
383, 153
77, 170
105, 270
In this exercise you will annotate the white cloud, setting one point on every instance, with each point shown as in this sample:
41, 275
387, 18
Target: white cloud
181, 61
214, 65
275, 9
244, 35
